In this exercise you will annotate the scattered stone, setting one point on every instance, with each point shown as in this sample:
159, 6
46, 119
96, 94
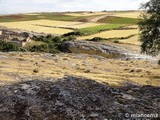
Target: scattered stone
131, 71
87, 71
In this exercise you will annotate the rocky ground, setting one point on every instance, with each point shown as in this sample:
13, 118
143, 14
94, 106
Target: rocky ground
74, 98
70, 86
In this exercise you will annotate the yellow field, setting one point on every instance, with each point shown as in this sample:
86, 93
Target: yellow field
47, 26
132, 26
111, 34
54, 23
133, 40
132, 14
86, 14
128, 14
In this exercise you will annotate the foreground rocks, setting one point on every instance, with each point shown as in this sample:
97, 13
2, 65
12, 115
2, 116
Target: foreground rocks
73, 98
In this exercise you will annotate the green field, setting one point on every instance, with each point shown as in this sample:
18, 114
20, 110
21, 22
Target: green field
99, 28
119, 20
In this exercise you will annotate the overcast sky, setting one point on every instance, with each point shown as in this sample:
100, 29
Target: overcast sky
22, 6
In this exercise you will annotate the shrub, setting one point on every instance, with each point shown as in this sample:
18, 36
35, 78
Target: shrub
116, 41
8, 46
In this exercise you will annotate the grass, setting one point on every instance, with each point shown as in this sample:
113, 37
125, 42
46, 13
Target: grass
99, 28
119, 20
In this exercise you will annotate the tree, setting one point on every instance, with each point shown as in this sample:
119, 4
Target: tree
150, 28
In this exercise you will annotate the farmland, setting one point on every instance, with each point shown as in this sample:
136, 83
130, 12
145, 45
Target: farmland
114, 26
111, 34
89, 23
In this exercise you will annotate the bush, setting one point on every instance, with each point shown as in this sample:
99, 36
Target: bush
8, 46
116, 41
97, 39
57, 39
75, 33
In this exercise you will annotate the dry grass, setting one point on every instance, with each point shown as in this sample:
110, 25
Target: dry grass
85, 13
132, 26
47, 26
133, 40
111, 34
29, 26
135, 14
132, 14
16, 66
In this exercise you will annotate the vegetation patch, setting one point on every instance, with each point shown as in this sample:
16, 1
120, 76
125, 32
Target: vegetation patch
119, 20
8, 46
100, 28
93, 30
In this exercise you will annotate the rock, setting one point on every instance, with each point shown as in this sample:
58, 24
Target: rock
93, 48
131, 71
73, 98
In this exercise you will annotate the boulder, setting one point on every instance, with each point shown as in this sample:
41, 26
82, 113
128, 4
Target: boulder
94, 48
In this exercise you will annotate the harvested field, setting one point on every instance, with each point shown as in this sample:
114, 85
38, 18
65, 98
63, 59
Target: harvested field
30, 26
134, 14
85, 13
48, 26
128, 14
111, 34
133, 40
54, 23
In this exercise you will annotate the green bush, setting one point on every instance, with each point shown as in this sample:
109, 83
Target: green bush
8, 46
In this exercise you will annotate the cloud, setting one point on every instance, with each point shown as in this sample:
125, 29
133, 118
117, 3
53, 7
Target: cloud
20, 6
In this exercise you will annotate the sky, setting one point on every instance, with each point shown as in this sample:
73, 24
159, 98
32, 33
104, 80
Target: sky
27, 6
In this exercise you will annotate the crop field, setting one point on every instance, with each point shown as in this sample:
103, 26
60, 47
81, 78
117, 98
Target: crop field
127, 14
85, 13
118, 20
49, 26
111, 34
100, 28
30, 27
67, 24
90, 24
133, 14
40, 16
133, 40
